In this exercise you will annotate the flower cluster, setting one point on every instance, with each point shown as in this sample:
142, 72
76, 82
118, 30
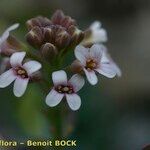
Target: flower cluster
51, 36
52, 40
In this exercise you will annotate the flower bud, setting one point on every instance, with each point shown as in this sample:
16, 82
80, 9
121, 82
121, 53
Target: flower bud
76, 35
62, 39
57, 16
61, 31
49, 51
49, 35
35, 37
36, 77
10, 46
76, 67
13, 42
38, 21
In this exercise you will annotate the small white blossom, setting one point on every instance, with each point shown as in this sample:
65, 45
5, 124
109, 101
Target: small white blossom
64, 88
5, 35
20, 73
97, 35
92, 61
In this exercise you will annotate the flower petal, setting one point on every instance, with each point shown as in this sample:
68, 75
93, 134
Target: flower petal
4, 37
20, 86
7, 78
91, 76
95, 25
106, 70
105, 57
32, 66
96, 51
74, 101
117, 69
59, 77
77, 82
81, 53
13, 27
54, 98
6, 33
98, 34
17, 58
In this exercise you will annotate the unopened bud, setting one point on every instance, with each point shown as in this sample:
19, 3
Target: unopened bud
10, 46
36, 77
38, 21
57, 16
35, 37
76, 34
32, 23
62, 39
76, 67
48, 35
49, 51
68, 21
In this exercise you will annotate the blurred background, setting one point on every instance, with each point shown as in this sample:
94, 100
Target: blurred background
115, 114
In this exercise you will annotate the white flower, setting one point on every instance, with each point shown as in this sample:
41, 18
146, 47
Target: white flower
64, 88
97, 35
92, 60
20, 73
5, 35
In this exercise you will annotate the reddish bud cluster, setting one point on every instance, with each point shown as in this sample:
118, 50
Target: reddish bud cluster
51, 36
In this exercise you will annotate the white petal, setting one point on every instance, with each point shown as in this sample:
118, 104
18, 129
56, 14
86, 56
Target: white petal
59, 77
74, 101
81, 53
95, 25
7, 78
77, 81
117, 69
106, 70
20, 86
96, 51
6, 33
17, 58
32, 66
105, 57
54, 98
13, 27
4, 37
99, 36
91, 76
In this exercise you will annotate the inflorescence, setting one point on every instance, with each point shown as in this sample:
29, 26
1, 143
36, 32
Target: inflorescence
51, 41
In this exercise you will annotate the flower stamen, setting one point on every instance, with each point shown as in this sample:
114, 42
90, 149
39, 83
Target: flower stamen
64, 89
21, 72
91, 64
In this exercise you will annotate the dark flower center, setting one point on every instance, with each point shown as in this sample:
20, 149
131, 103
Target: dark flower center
21, 72
64, 89
91, 64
